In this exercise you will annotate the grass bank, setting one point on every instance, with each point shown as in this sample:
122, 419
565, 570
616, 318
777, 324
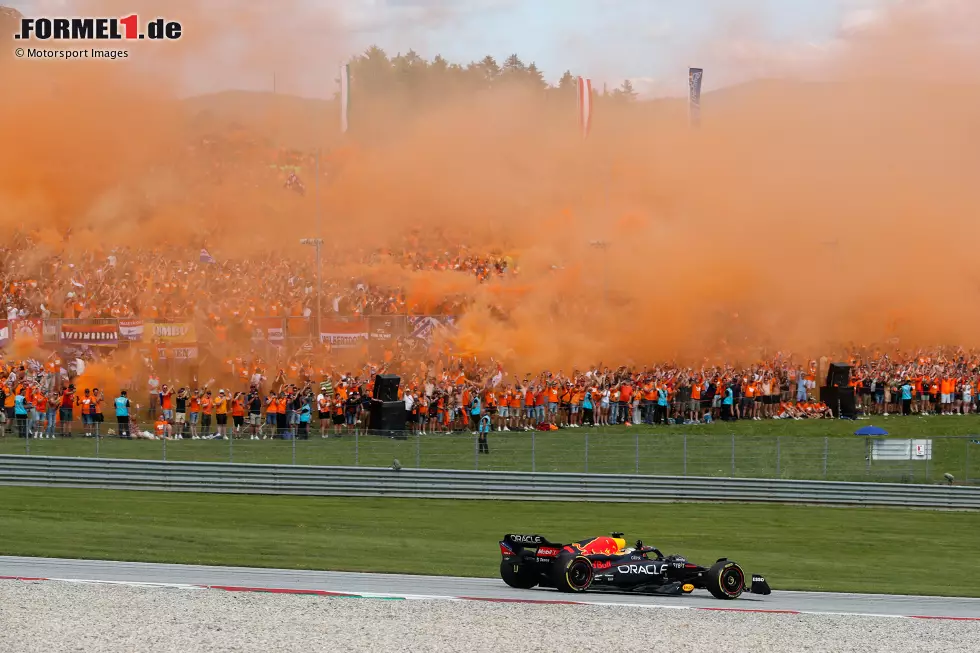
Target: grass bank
797, 547
820, 449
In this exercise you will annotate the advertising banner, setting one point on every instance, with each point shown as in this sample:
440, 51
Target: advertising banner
131, 329
384, 328
427, 327
268, 328
344, 334
89, 334
183, 332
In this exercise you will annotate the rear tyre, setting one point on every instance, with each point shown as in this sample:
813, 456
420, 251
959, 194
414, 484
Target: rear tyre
725, 580
574, 574
518, 575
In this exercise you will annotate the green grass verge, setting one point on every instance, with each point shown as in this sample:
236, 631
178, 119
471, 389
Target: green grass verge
770, 449
797, 547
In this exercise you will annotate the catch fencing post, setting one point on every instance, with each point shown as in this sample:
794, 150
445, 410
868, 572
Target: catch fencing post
231, 450
826, 447
733, 455
293, 438
637, 457
27, 443
533, 463
586, 452
911, 448
966, 467
867, 458
476, 451
357, 449
164, 438
685, 454
418, 451
97, 438
928, 458
778, 475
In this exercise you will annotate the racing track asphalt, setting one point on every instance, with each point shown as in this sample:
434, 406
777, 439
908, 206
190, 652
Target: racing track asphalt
444, 587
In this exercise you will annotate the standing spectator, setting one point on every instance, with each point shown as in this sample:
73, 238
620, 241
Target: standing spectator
66, 410
122, 414
254, 402
98, 399
207, 407
194, 412
475, 411
153, 387
305, 413
180, 414
52, 414
85, 402
484, 428
20, 413
167, 403
727, 403
663, 412
906, 398
238, 413
221, 414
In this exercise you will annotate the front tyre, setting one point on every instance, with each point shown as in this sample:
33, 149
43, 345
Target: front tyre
517, 575
725, 580
574, 574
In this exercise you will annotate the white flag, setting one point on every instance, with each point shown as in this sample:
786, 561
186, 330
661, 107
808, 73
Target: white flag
584, 106
344, 97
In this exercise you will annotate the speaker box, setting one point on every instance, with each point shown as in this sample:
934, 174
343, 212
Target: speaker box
840, 400
386, 387
388, 419
839, 375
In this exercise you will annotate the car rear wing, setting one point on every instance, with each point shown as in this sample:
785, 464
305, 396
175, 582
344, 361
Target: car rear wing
517, 542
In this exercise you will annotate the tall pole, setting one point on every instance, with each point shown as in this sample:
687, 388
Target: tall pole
319, 244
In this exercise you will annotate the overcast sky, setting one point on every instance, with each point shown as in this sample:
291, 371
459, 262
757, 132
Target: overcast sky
650, 41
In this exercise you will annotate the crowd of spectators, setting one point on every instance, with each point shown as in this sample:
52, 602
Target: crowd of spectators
445, 394
170, 283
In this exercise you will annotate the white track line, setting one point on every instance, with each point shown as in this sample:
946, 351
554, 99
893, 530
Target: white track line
436, 597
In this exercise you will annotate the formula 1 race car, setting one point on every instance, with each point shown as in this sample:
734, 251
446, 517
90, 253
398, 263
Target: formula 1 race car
606, 563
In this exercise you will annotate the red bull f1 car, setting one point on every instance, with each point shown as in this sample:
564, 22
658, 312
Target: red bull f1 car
607, 563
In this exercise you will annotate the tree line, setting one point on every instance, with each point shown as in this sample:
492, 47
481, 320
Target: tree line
416, 78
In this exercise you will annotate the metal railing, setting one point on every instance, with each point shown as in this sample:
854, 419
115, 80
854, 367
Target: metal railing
615, 452
460, 484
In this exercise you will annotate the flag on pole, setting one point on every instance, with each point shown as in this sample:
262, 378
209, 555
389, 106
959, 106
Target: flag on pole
584, 105
344, 97
694, 103
206, 257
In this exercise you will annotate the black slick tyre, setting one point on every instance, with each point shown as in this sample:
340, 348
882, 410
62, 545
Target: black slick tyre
517, 575
574, 574
725, 580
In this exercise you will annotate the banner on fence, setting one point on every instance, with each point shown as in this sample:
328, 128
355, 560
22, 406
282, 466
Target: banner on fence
50, 330
89, 334
177, 353
131, 329
27, 329
427, 327
344, 334
896, 450
268, 328
383, 328
11, 330
183, 332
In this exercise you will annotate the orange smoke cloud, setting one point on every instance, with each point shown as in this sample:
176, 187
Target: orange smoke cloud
800, 216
